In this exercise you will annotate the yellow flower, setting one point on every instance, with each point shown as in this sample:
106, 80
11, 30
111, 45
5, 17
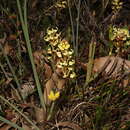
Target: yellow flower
51, 31
46, 38
53, 96
72, 62
125, 32
71, 52
57, 36
64, 63
73, 75
116, 5
59, 66
64, 45
65, 75
68, 53
54, 42
127, 43
49, 51
120, 34
59, 54
61, 4
70, 68
65, 53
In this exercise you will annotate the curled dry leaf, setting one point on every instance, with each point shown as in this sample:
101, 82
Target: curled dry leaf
110, 66
113, 67
55, 82
112, 63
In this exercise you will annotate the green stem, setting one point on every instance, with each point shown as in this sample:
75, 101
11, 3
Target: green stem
51, 111
77, 28
72, 26
90, 63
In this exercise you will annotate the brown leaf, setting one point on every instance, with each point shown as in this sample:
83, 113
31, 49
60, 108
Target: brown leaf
12, 37
110, 65
8, 81
37, 57
34, 3
27, 89
117, 62
26, 127
40, 114
13, 16
55, 82
7, 49
68, 126
48, 71
9, 114
114, 67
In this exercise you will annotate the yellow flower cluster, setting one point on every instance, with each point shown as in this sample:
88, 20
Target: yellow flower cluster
61, 4
120, 37
119, 34
53, 96
116, 5
60, 52
52, 36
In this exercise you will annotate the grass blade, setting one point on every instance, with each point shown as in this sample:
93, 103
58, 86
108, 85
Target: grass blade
23, 20
10, 123
16, 109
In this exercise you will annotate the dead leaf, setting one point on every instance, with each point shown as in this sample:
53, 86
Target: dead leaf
7, 49
68, 126
55, 82
38, 60
114, 61
99, 63
12, 37
26, 127
40, 114
34, 3
9, 114
13, 16
126, 117
110, 66
37, 57
8, 81
48, 71
27, 89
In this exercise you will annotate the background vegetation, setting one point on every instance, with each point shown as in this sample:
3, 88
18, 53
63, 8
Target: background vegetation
36, 89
